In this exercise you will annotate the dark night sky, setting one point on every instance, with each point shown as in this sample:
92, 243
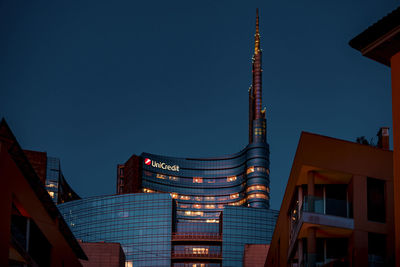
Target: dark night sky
93, 82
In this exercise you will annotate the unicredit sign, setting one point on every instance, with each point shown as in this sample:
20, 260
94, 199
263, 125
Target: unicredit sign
161, 165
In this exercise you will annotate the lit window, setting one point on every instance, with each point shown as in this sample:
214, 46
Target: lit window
184, 206
184, 197
209, 206
173, 178
197, 180
161, 176
258, 196
193, 213
200, 250
146, 190
198, 198
233, 196
221, 206
231, 178
212, 221
250, 170
52, 185
238, 203
209, 198
51, 194
174, 195
256, 187
261, 169
197, 206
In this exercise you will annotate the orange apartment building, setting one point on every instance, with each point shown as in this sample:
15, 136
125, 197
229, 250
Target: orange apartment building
381, 42
338, 206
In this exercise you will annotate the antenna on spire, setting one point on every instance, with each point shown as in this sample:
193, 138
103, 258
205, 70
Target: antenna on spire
257, 35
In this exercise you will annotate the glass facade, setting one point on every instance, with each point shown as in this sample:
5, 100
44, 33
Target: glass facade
53, 172
141, 223
202, 187
243, 225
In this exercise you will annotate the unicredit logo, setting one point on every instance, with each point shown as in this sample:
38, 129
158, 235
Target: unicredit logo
161, 165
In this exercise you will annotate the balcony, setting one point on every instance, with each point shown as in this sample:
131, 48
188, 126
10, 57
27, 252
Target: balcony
181, 255
323, 213
213, 237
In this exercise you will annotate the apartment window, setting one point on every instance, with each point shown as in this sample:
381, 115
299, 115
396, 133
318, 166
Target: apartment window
336, 248
376, 200
336, 199
376, 249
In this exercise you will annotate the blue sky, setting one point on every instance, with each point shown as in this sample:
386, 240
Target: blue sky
93, 82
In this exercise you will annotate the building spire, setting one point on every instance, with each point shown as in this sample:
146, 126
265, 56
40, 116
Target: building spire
257, 72
257, 35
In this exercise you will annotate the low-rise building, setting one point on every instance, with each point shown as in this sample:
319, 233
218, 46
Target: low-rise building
338, 206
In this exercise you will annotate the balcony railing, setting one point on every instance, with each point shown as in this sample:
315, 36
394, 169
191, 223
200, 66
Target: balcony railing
328, 206
197, 236
319, 205
188, 254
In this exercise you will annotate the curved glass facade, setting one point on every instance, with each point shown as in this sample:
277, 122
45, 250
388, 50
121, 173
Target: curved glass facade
141, 223
153, 231
201, 187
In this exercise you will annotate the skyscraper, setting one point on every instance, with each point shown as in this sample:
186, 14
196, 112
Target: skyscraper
201, 233
202, 186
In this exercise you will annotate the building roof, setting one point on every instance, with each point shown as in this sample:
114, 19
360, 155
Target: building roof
381, 40
23, 164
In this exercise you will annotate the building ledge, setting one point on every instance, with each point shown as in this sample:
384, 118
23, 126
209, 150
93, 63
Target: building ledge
196, 237
318, 220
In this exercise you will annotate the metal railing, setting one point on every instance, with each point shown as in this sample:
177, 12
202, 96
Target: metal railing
187, 254
320, 205
196, 236
327, 206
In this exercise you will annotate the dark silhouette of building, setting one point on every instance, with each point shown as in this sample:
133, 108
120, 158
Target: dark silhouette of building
33, 232
381, 42
103, 254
